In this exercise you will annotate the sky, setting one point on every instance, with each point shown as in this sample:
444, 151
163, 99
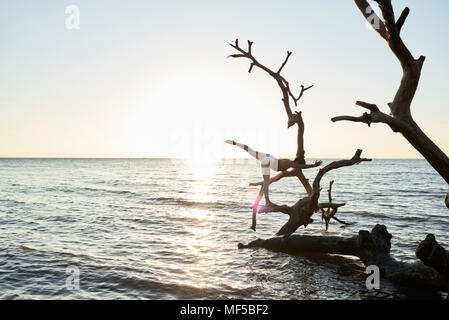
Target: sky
152, 78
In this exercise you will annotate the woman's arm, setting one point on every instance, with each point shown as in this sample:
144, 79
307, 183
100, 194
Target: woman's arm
306, 166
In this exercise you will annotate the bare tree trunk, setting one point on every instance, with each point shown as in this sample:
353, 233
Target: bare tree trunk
400, 118
300, 152
373, 248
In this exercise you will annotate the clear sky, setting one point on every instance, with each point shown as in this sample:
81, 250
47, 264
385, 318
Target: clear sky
151, 78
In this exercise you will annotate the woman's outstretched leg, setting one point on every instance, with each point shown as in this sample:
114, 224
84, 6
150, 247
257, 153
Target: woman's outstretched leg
253, 153
268, 162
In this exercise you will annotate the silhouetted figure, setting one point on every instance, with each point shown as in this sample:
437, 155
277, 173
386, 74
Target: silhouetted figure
267, 163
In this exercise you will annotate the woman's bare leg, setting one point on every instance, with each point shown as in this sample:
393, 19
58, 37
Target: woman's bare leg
255, 208
259, 197
253, 153
266, 185
263, 190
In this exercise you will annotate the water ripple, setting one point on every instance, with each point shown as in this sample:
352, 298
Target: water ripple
154, 229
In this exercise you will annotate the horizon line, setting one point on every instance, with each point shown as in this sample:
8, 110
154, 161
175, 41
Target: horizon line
172, 158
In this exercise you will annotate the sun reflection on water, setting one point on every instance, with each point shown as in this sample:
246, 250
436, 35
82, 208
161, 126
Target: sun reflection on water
202, 172
202, 242
202, 169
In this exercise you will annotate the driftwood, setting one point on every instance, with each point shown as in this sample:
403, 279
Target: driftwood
446, 200
399, 118
327, 215
283, 84
294, 172
293, 118
373, 248
303, 209
300, 213
434, 255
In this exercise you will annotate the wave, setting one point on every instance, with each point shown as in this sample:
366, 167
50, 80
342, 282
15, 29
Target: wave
59, 189
387, 216
366, 213
193, 203
408, 218
14, 202
120, 192
88, 189
27, 248
150, 287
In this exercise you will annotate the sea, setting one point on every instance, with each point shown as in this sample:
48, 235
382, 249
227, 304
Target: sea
169, 229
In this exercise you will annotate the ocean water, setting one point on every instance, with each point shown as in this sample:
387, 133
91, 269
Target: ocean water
169, 229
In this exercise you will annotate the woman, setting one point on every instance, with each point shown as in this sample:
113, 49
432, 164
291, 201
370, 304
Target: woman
267, 162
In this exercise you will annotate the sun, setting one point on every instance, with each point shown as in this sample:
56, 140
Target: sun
187, 116
203, 169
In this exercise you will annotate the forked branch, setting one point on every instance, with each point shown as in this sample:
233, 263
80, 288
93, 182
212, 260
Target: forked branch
327, 215
331, 166
399, 118
280, 80
375, 116
300, 213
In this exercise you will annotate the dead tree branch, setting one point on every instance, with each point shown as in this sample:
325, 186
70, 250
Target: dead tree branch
300, 213
331, 166
400, 118
288, 173
446, 200
327, 215
280, 80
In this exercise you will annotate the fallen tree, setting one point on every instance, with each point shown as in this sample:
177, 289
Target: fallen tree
373, 248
